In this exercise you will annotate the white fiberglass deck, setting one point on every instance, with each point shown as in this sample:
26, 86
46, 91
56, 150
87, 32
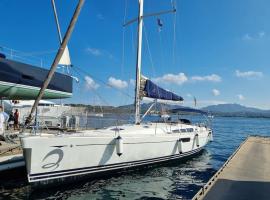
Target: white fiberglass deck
131, 129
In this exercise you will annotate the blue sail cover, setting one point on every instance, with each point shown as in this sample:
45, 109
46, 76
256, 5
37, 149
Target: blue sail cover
153, 91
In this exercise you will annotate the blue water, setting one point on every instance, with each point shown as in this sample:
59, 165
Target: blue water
173, 181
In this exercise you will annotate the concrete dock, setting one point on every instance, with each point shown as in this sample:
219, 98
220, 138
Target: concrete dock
245, 175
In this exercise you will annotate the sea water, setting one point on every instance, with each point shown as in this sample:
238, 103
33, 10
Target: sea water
180, 180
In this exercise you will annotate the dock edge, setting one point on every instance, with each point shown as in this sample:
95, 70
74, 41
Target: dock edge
203, 191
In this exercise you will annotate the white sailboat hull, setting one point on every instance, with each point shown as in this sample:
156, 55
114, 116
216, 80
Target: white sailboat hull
49, 158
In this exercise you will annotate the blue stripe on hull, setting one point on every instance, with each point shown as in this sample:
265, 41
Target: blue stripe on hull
50, 177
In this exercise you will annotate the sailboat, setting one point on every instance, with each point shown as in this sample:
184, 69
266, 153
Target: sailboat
54, 158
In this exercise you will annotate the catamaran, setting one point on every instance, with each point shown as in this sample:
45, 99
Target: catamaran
52, 158
19, 80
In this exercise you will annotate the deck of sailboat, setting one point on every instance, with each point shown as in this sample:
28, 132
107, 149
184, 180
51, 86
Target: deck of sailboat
146, 129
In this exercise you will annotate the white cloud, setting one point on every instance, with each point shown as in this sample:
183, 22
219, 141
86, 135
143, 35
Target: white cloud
178, 79
99, 52
261, 34
248, 74
256, 36
100, 16
247, 37
211, 78
216, 92
181, 78
94, 51
117, 83
189, 95
240, 97
111, 56
90, 83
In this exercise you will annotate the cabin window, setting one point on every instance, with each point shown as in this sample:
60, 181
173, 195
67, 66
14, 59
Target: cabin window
183, 130
176, 131
190, 130
185, 139
117, 129
48, 123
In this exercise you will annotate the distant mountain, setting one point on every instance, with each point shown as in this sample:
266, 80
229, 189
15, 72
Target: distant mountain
231, 108
236, 110
145, 106
225, 110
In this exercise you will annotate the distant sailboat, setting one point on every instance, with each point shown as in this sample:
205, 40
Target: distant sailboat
51, 158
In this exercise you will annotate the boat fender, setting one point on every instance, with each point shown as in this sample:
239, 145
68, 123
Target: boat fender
119, 145
180, 146
197, 139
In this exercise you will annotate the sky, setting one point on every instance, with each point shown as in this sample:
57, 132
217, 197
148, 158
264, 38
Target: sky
215, 51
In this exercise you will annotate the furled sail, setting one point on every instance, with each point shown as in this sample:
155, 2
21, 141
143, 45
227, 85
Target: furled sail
65, 59
151, 90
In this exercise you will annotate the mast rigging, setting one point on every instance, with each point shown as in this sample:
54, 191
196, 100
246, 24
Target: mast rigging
56, 60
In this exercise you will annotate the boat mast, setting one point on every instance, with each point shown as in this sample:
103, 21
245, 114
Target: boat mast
138, 64
57, 22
